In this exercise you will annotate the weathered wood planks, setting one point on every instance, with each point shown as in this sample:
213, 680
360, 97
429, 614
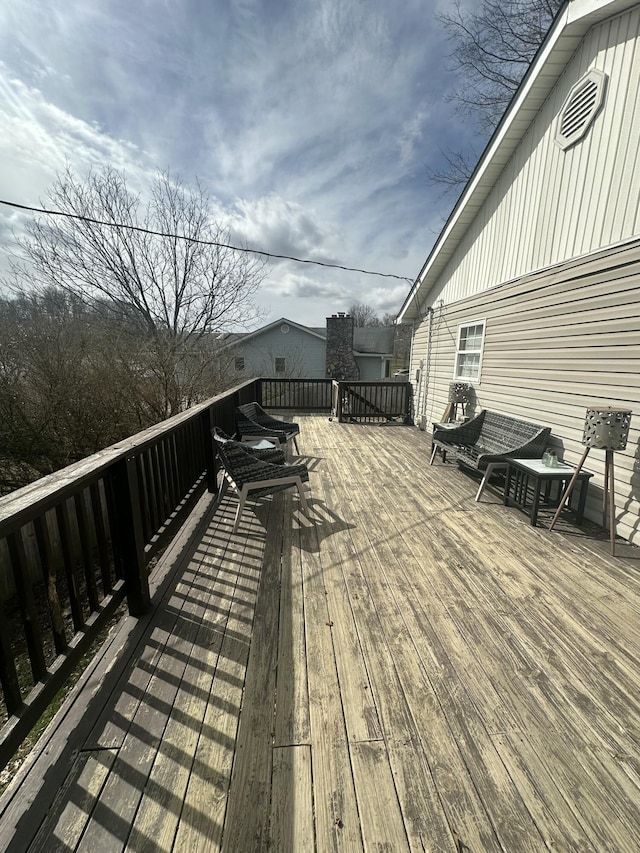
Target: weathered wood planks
408, 670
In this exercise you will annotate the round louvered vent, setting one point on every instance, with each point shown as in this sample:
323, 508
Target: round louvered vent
580, 107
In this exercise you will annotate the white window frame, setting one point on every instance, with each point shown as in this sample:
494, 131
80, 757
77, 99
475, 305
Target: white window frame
476, 350
279, 358
239, 363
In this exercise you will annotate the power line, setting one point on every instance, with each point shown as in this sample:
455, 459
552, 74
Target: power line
202, 242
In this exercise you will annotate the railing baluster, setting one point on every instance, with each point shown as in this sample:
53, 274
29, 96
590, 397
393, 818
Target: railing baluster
157, 484
209, 453
101, 538
85, 547
110, 496
8, 673
50, 577
186, 472
164, 477
127, 526
174, 448
24, 591
71, 572
145, 515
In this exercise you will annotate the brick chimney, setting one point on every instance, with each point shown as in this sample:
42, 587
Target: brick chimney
339, 359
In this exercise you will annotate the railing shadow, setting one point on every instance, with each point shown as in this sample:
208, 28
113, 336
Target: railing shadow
163, 715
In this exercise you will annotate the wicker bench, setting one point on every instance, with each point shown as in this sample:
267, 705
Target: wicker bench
487, 441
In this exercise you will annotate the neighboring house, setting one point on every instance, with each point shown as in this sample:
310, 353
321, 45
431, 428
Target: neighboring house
532, 290
289, 350
280, 350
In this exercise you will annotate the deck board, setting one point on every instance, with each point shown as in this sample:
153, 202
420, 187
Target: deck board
408, 669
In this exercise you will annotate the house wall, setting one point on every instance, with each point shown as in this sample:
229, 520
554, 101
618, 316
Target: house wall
548, 204
304, 354
556, 342
371, 367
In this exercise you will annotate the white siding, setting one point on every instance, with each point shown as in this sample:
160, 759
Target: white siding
548, 204
556, 342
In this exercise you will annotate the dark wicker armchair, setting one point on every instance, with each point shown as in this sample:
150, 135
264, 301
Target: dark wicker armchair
252, 421
271, 454
248, 475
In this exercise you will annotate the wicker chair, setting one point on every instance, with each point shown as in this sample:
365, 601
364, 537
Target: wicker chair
248, 475
253, 422
271, 454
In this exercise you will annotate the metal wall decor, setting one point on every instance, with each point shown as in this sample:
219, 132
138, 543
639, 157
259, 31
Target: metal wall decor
459, 392
605, 428
459, 395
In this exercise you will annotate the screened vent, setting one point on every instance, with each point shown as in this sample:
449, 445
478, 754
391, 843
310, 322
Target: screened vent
580, 108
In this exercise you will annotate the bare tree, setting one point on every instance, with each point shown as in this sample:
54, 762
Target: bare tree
67, 387
172, 288
388, 318
492, 47
363, 315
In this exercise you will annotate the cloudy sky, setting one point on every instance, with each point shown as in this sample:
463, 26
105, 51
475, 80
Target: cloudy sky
311, 125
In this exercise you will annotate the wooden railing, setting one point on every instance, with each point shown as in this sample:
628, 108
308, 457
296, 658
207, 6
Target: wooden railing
310, 395
76, 544
371, 401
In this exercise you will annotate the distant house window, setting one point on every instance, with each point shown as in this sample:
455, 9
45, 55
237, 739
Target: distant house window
387, 368
469, 351
580, 108
280, 365
239, 363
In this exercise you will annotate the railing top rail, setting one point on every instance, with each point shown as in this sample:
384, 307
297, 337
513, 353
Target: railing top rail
392, 382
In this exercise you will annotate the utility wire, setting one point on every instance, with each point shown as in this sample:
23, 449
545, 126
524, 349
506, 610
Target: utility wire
196, 240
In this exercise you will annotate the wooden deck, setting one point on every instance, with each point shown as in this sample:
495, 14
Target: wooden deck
410, 670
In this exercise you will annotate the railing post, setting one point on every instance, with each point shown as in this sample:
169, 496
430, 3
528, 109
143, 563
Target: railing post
126, 526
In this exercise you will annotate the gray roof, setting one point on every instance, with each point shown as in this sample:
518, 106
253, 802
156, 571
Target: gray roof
367, 340
373, 339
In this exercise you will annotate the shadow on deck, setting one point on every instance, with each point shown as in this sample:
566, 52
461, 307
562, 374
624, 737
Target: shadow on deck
407, 670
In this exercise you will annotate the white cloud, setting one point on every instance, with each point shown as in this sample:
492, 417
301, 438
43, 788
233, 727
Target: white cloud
309, 123
410, 136
279, 226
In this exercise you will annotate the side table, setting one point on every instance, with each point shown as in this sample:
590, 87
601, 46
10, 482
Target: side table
530, 479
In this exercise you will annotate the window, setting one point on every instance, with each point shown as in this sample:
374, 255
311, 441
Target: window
469, 351
240, 363
280, 364
580, 108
